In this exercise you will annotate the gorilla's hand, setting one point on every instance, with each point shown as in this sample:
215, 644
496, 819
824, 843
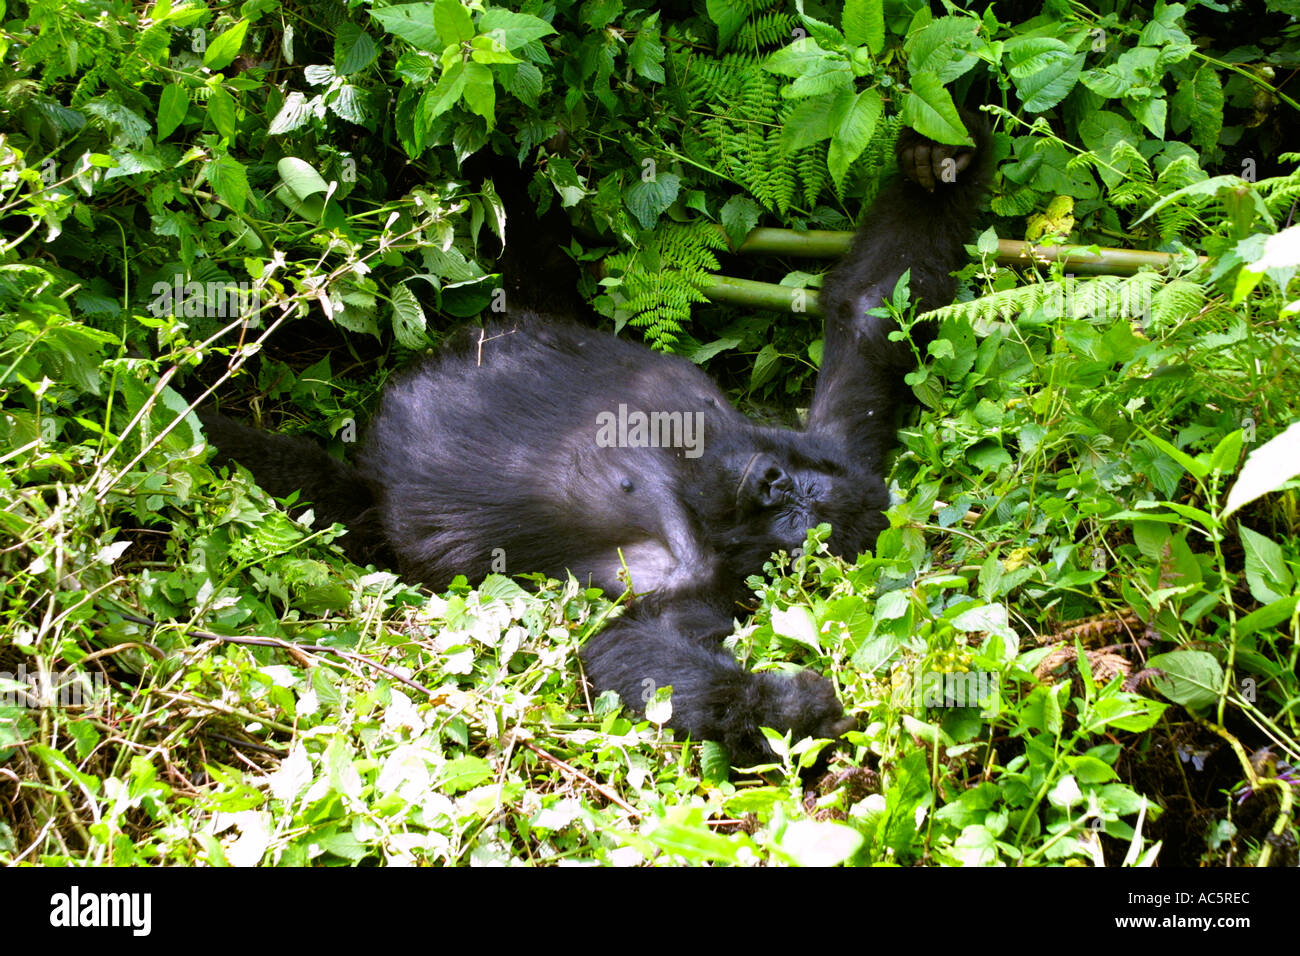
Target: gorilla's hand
930, 164
804, 703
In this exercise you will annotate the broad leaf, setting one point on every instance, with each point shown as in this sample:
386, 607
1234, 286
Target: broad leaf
930, 111
1191, 678
1268, 468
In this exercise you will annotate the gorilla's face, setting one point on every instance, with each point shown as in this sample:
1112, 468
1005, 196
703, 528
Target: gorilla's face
779, 497
778, 501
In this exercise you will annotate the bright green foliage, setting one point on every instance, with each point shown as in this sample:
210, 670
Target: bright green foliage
657, 284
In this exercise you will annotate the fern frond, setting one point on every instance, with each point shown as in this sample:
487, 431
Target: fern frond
1175, 303
1069, 298
1280, 193
769, 30
661, 281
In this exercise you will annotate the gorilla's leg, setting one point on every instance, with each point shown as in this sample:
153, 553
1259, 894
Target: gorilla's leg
283, 464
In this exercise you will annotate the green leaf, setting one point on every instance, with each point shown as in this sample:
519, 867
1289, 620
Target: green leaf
447, 93
564, 178
1268, 616
1191, 678
796, 624
501, 588
301, 188
58, 762
728, 16
222, 51
353, 49
351, 102
765, 365
1151, 114
1199, 515
1090, 769
943, 47
646, 54
833, 76
930, 111
1125, 713
696, 843
810, 121
495, 209
488, 49
514, 30
524, 83
1044, 89
413, 23
464, 773
1107, 82
221, 110
229, 180
864, 23
704, 352
992, 618
1199, 104
1266, 571
453, 22
1026, 56
800, 58
1225, 454
1041, 710
1268, 468
825, 34
715, 761
408, 319
759, 800
480, 92
172, 107
739, 215
301, 177
853, 131
647, 199
1193, 466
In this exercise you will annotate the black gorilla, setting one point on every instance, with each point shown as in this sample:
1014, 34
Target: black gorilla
569, 450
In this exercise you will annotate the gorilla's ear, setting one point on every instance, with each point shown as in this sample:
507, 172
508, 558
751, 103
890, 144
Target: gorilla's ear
765, 484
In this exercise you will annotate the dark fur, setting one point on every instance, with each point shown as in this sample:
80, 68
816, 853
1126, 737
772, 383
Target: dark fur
491, 445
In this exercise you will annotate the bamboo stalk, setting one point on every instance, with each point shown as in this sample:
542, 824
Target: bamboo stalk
827, 244
810, 244
761, 295
1084, 260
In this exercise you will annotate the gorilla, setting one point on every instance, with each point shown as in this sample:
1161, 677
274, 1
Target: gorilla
571, 451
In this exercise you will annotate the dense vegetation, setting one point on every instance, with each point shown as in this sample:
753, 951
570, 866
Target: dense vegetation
262, 203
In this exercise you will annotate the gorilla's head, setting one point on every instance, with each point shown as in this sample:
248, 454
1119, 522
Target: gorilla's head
782, 492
